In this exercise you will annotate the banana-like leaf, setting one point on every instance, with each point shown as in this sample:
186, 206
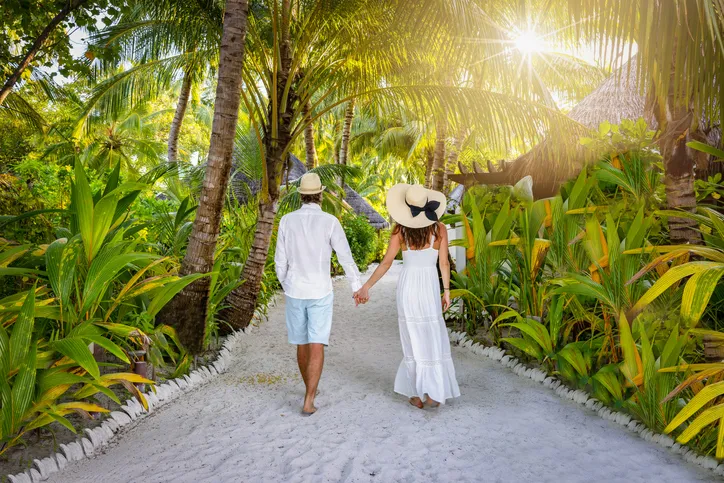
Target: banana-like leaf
23, 387
76, 348
22, 332
576, 359
61, 259
608, 378
9, 256
710, 393
103, 271
632, 367
672, 276
169, 291
536, 331
526, 346
20, 272
108, 345
697, 292
705, 148
707, 417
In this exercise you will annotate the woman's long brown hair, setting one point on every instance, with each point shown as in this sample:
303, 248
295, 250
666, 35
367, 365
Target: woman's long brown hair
417, 238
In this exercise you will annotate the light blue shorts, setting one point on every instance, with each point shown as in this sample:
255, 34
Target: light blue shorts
309, 321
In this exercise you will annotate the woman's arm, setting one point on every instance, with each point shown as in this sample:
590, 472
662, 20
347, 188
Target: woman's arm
362, 295
444, 262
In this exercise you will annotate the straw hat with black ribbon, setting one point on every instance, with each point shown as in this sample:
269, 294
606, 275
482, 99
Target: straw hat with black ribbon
415, 206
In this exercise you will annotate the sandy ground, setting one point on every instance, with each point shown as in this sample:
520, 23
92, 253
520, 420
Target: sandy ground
246, 426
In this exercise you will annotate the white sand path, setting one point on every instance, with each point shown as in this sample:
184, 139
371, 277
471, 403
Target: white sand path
503, 428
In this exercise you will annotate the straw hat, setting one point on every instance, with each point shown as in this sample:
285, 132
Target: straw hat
415, 206
310, 184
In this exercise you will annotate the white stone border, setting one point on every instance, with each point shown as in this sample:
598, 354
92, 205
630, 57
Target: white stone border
97, 438
585, 399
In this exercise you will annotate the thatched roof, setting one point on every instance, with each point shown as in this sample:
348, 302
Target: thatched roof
244, 188
360, 206
617, 98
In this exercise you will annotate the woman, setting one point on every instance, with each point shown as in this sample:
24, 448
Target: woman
426, 374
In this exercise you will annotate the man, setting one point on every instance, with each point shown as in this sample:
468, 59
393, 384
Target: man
303, 257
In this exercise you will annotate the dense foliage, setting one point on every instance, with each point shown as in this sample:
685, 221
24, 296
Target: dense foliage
585, 285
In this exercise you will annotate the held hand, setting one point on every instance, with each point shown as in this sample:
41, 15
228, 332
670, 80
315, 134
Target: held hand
445, 300
362, 295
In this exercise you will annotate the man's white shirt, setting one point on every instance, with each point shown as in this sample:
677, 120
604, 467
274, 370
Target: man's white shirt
303, 255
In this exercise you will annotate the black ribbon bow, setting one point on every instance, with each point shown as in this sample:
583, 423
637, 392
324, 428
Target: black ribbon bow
430, 209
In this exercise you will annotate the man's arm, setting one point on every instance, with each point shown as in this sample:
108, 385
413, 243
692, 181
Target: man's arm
344, 256
280, 255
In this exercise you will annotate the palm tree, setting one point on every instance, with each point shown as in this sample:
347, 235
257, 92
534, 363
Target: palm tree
191, 304
340, 51
163, 40
681, 70
438, 156
346, 133
310, 148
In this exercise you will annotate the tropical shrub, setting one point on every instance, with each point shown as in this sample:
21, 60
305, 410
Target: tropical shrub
585, 285
362, 241
97, 283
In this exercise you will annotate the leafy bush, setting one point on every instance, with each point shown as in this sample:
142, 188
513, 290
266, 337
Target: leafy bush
362, 241
586, 285
92, 285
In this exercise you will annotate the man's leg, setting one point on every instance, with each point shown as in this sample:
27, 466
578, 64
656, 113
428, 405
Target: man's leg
319, 313
314, 373
303, 360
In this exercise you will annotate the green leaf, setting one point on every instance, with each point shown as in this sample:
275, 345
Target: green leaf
526, 346
22, 332
169, 291
697, 292
76, 349
576, 359
103, 271
83, 205
672, 276
9, 256
705, 148
108, 345
23, 386
61, 259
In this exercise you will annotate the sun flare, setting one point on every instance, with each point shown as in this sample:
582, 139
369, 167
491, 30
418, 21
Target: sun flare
529, 42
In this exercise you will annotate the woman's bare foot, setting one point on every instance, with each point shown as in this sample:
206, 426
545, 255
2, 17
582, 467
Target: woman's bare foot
432, 403
417, 402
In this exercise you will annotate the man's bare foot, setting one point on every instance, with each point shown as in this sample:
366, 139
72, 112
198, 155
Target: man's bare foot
308, 407
417, 402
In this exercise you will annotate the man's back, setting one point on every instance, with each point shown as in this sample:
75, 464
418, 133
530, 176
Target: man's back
305, 242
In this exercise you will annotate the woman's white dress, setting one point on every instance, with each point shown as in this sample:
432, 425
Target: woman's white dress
427, 368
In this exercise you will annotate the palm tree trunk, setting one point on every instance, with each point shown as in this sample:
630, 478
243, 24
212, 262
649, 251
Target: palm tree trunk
189, 308
178, 118
675, 116
452, 158
241, 302
438, 157
346, 133
429, 156
309, 137
679, 180
37, 45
